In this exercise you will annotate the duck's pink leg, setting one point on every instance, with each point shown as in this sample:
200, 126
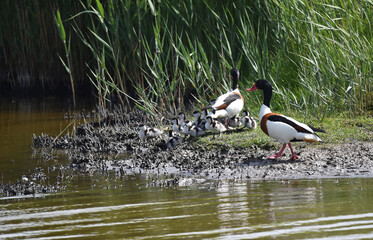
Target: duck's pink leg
279, 154
293, 154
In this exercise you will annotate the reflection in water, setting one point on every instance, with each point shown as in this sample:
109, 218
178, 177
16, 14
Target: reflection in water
126, 208
232, 205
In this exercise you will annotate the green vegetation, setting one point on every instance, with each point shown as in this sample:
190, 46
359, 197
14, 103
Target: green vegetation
339, 130
163, 55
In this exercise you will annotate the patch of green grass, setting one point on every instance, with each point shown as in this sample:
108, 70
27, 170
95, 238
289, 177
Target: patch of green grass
339, 130
244, 138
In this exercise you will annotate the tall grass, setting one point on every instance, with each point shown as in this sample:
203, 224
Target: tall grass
169, 55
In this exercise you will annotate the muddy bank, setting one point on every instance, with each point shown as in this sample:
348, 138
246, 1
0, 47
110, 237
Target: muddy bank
112, 144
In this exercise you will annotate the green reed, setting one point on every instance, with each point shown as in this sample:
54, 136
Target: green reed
166, 55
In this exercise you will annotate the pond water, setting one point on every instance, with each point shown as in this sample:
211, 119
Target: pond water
106, 206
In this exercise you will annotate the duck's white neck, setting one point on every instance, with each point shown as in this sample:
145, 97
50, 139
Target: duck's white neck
263, 111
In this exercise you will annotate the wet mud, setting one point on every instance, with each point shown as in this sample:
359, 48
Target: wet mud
112, 144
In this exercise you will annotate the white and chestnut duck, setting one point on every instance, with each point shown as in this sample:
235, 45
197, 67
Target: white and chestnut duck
231, 103
284, 129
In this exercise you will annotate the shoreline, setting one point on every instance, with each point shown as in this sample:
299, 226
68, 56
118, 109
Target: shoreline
112, 144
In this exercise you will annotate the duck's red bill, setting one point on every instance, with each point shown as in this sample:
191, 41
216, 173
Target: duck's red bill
252, 89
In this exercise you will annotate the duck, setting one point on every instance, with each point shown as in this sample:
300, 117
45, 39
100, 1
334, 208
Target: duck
148, 132
229, 104
248, 121
214, 126
172, 141
282, 128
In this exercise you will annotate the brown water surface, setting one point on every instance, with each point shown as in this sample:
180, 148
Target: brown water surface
19, 120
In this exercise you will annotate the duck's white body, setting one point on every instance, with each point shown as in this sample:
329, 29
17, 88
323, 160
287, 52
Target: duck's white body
229, 104
284, 129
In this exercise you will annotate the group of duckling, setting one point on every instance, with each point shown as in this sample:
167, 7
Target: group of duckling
202, 124
227, 107
224, 115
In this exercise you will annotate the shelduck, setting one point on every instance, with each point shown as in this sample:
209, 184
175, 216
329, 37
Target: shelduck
231, 103
248, 121
215, 126
148, 132
280, 127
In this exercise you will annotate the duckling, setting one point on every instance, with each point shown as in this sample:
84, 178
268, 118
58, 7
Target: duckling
172, 141
175, 125
148, 132
182, 119
248, 121
200, 119
234, 122
185, 126
215, 126
196, 131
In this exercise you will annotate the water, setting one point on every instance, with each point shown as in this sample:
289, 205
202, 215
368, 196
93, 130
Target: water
128, 209
105, 206
19, 119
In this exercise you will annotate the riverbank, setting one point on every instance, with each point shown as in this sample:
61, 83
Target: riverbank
111, 144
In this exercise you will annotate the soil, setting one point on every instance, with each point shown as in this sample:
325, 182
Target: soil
112, 144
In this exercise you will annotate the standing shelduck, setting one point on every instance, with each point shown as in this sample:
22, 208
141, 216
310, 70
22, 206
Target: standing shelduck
231, 103
280, 127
